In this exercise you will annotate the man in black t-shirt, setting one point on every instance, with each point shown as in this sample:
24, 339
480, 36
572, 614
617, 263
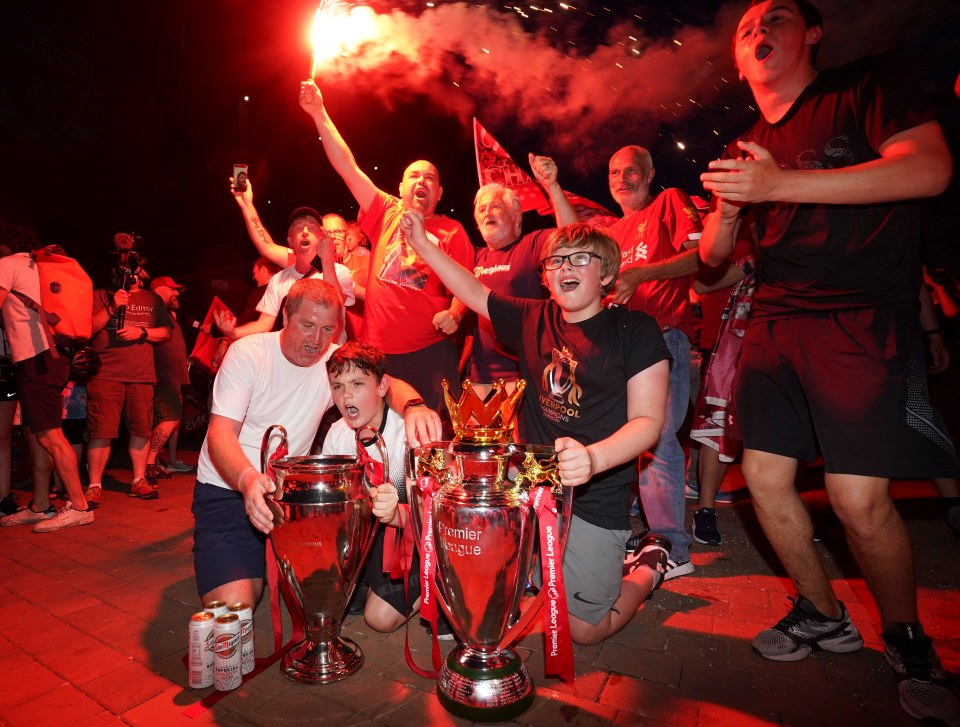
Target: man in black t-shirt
830, 173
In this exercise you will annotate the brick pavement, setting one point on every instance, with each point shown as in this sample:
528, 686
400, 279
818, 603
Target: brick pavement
93, 628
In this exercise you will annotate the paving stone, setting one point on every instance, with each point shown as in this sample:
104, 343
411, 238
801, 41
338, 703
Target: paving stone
32, 680
124, 688
60, 706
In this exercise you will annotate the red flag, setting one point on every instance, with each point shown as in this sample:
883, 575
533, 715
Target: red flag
495, 165
208, 352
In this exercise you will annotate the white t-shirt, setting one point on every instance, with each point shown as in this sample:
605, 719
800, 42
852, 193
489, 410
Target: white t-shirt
280, 285
25, 331
258, 386
341, 439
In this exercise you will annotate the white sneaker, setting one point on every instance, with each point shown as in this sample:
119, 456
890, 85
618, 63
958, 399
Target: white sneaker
68, 517
675, 570
26, 516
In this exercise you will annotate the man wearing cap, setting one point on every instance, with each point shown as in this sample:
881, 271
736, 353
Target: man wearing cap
125, 324
311, 248
170, 360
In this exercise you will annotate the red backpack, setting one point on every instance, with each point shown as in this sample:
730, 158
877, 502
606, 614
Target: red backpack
66, 297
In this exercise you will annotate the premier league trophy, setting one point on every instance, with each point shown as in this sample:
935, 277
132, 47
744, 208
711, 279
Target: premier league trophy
322, 532
477, 529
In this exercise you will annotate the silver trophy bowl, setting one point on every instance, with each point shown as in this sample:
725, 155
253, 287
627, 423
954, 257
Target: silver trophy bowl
323, 530
484, 527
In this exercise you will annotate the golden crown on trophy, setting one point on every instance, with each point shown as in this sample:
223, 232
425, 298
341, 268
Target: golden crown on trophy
483, 421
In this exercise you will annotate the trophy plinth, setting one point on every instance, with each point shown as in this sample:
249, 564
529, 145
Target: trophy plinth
484, 526
323, 531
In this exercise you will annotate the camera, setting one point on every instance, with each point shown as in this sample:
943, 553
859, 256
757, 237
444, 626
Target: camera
129, 261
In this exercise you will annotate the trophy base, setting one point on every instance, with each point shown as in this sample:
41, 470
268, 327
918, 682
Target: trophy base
321, 662
485, 687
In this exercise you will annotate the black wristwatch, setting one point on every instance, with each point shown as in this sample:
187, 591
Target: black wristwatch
413, 402
143, 334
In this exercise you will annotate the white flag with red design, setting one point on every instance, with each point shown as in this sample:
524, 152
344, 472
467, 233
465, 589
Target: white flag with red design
495, 165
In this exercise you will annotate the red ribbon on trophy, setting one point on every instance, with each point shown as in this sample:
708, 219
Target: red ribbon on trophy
398, 550
428, 569
558, 650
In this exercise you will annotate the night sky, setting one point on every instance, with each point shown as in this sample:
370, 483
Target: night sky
129, 115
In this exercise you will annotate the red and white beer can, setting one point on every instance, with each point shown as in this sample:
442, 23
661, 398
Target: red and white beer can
217, 608
200, 665
245, 614
226, 652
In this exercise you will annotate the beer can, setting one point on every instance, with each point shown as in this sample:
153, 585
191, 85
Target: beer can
217, 608
245, 614
200, 663
226, 651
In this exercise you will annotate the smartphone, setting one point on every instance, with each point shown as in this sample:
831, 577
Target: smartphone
240, 177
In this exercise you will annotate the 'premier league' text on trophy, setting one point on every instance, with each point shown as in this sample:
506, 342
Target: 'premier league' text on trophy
476, 530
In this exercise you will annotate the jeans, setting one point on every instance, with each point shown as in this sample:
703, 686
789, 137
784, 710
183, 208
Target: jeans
662, 479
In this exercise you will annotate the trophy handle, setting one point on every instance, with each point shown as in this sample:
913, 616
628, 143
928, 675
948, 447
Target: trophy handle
363, 457
264, 456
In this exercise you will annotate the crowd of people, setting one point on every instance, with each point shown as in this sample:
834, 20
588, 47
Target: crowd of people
812, 319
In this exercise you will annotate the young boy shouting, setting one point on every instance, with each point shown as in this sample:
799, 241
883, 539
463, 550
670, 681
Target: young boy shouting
597, 390
359, 383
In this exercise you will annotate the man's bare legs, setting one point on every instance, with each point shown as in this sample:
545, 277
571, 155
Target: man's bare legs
98, 454
138, 448
786, 523
879, 542
162, 433
247, 590
65, 463
875, 533
710, 473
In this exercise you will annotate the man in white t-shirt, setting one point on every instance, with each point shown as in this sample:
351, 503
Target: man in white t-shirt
308, 239
266, 379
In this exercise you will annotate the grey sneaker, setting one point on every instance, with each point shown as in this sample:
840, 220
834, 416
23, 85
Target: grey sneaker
68, 517
922, 683
805, 629
179, 466
27, 516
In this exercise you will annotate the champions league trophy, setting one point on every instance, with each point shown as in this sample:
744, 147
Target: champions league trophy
477, 528
323, 528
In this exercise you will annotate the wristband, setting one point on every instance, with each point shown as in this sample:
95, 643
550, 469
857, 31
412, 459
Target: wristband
932, 331
143, 334
412, 403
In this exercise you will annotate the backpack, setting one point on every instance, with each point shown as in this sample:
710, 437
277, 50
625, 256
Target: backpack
66, 297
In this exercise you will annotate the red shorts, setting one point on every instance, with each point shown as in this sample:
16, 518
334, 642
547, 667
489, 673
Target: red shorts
106, 400
850, 385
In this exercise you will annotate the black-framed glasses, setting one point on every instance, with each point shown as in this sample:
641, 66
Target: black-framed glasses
577, 260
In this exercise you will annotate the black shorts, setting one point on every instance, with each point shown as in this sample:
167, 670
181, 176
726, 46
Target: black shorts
40, 382
226, 547
391, 589
849, 385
